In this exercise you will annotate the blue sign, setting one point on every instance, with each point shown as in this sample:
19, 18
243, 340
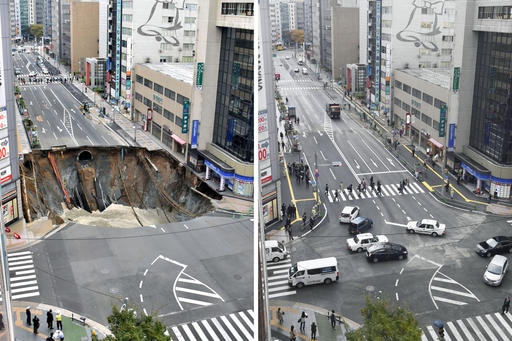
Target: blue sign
195, 130
231, 128
451, 136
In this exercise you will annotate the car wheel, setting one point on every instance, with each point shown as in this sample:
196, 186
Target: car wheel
276, 259
360, 249
300, 285
375, 260
328, 281
488, 254
410, 231
400, 257
434, 234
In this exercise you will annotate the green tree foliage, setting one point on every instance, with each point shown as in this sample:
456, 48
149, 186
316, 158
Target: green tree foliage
36, 30
128, 326
383, 322
297, 36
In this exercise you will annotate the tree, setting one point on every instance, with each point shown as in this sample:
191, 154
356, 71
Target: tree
297, 36
36, 30
126, 325
385, 322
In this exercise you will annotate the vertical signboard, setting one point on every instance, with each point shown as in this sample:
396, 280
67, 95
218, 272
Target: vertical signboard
442, 120
195, 133
376, 79
184, 118
118, 49
456, 78
199, 75
451, 136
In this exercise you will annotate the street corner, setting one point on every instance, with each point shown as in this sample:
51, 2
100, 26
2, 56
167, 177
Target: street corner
499, 209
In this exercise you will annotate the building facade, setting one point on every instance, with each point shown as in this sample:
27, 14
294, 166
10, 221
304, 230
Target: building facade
83, 33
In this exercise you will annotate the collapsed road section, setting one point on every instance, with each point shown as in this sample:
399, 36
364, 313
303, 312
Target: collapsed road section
92, 179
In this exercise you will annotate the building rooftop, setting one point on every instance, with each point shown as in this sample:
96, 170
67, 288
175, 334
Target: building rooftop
436, 76
180, 71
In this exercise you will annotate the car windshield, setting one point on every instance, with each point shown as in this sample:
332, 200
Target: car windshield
491, 242
494, 269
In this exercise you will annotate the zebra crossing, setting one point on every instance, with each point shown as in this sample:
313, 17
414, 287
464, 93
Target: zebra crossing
445, 290
277, 279
192, 293
492, 326
387, 191
22, 273
233, 327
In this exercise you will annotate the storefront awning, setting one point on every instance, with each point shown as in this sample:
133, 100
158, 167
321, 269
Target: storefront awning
435, 143
178, 139
473, 167
216, 164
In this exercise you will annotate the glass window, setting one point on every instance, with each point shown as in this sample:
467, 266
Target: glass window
428, 99
398, 84
178, 121
158, 88
157, 108
170, 94
416, 93
438, 103
168, 115
148, 83
406, 88
139, 79
148, 102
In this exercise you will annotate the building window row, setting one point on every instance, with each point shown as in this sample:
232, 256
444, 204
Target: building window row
148, 83
416, 93
495, 12
147, 102
168, 115
170, 94
158, 88
237, 8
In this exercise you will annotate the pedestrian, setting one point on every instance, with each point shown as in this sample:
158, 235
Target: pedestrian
307, 180
292, 334
2, 325
451, 193
304, 219
313, 331
332, 317
495, 194
290, 232
294, 211
281, 135
341, 187
50, 337
280, 314
35, 321
58, 335
49, 319
311, 223
336, 196
447, 186
29, 316
282, 146
506, 305
349, 189
283, 210
326, 189
302, 321
58, 318
413, 150
298, 120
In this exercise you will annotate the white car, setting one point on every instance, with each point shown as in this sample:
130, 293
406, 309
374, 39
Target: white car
32, 74
426, 226
348, 213
296, 69
362, 241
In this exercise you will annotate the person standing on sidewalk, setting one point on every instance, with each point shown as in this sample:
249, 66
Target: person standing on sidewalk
313, 331
293, 337
302, 320
35, 321
29, 316
506, 305
58, 318
332, 317
49, 319
280, 314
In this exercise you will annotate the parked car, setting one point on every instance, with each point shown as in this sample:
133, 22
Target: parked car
348, 213
385, 251
496, 270
304, 70
296, 69
494, 245
362, 241
360, 225
426, 226
32, 74
17, 71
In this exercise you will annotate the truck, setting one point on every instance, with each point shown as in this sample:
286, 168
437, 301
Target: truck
291, 113
333, 110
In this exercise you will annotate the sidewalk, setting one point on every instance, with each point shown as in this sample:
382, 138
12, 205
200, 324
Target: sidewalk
292, 312
73, 328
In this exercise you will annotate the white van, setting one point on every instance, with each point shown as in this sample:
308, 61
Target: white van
275, 251
322, 270
304, 70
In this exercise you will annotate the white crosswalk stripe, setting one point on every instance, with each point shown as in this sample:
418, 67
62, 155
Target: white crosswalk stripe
277, 278
445, 290
193, 293
386, 190
492, 326
235, 326
22, 275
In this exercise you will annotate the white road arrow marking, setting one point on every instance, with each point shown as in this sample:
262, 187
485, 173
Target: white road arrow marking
390, 161
373, 162
395, 224
357, 165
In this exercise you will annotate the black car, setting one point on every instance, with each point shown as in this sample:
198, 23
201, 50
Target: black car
385, 251
360, 225
494, 245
